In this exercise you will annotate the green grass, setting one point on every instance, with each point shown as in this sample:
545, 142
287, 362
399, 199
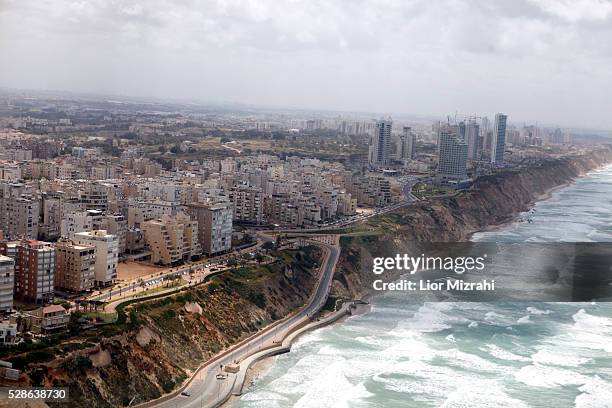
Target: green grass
100, 316
178, 283
422, 190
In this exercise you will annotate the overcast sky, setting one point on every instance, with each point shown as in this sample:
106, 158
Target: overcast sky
545, 60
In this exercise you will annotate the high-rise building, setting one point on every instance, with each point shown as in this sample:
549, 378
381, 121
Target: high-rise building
215, 225
407, 148
461, 130
452, 156
498, 143
172, 240
472, 132
107, 254
7, 283
34, 269
74, 266
380, 143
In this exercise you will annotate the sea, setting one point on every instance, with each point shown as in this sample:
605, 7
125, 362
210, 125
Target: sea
407, 352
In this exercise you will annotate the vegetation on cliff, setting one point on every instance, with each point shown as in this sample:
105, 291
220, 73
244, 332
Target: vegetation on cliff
159, 343
493, 200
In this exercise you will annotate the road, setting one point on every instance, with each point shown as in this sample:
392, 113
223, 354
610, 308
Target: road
205, 390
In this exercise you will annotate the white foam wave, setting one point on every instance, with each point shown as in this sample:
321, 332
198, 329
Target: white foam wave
536, 311
524, 320
556, 357
502, 354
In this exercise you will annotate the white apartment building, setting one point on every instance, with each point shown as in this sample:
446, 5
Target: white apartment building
80, 221
107, 254
7, 283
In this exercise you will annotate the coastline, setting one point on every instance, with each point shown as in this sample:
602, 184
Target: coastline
261, 368
257, 371
547, 195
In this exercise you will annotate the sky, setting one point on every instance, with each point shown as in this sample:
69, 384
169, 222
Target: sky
548, 61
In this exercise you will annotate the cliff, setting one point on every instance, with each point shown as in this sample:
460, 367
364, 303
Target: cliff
493, 200
159, 343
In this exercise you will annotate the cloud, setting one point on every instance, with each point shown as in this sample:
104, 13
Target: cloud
417, 56
576, 10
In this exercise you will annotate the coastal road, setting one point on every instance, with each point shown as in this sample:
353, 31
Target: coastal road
205, 390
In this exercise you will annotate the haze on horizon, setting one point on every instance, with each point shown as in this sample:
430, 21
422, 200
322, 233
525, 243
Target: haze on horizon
536, 60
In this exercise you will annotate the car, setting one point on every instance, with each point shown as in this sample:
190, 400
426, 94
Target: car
186, 394
220, 377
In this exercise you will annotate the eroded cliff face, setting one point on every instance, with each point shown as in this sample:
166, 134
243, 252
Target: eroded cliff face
492, 201
161, 342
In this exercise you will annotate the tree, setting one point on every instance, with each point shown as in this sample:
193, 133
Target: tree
175, 149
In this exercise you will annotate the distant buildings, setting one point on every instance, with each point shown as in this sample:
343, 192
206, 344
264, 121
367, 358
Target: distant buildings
498, 143
380, 143
452, 156
371, 190
472, 139
107, 254
407, 147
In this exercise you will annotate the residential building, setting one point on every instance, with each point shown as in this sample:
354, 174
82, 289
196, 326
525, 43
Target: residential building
215, 226
74, 266
8, 333
80, 221
7, 283
172, 240
107, 254
452, 156
19, 217
48, 320
34, 269
248, 204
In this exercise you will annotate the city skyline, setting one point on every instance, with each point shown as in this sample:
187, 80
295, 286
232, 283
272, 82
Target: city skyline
536, 60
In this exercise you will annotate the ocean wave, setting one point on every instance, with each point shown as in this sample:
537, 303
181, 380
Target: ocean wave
502, 354
596, 393
536, 311
485, 394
